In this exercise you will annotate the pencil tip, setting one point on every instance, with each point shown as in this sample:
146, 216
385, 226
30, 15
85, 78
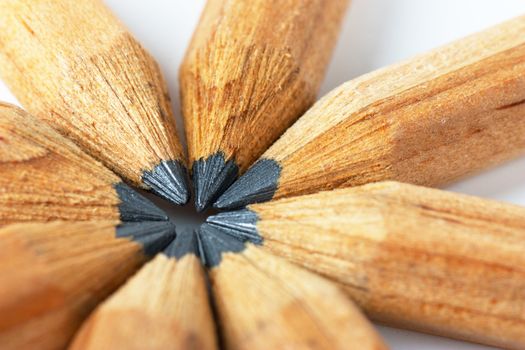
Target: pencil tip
184, 244
211, 177
257, 185
135, 207
241, 224
154, 236
168, 180
213, 243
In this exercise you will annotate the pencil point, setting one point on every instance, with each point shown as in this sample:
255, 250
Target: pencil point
211, 177
185, 243
168, 180
135, 207
212, 243
154, 236
242, 224
257, 185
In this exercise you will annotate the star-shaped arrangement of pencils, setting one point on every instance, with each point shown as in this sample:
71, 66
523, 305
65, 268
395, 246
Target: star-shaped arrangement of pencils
324, 218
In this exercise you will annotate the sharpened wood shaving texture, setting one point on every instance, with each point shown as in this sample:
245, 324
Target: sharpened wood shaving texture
54, 274
266, 303
412, 257
75, 66
164, 306
44, 176
252, 68
428, 121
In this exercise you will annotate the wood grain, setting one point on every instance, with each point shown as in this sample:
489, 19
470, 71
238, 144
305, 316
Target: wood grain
252, 68
44, 176
263, 302
430, 120
412, 257
52, 275
164, 306
76, 67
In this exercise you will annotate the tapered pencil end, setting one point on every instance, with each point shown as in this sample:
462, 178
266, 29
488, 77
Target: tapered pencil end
241, 224
135, 207
257, 185
213, 243
185, 243
169, 180
211, 177
154, 236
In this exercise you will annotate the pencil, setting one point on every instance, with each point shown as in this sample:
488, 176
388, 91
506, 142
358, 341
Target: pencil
428, 121
75, 66
263, 302
164, 306
53, 274
410, 256
44, 176
252, 68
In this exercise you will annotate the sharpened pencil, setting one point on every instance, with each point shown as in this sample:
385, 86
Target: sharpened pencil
75, 66
263, 302
428, 121
410, 256
252, 68
53, 274
44, 176
164, 306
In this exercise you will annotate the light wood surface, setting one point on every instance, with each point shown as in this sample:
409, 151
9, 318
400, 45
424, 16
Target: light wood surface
263, 302
430, 120
412, 257
75, 66
44, 176
52, 275
252, 68
164, 306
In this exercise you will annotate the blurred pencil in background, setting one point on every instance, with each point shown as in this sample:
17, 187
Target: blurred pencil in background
263, 302
410, 256
164, 306
252, 68
76, 67
428, 121
53, 274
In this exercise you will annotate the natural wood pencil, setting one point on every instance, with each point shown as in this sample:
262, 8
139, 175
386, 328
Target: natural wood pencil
76, 67
428, 121
252, 68
164, 306
53, 274
44, 176
264, 302
411, 256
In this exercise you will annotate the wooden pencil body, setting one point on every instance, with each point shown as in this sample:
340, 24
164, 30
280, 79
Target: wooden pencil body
52, 275
44, 176
428, 121
264, 302
412, 257
252, 68
76, 67
164, 306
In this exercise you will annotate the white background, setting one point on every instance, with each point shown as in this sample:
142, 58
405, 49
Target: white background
375, 33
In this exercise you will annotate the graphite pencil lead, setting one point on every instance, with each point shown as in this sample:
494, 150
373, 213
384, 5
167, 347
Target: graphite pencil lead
152, 235
241, 224
213, 243
169, 181
211, 177
186, 243
258, 184
135, 207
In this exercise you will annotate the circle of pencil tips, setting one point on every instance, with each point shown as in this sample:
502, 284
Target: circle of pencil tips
327, 222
